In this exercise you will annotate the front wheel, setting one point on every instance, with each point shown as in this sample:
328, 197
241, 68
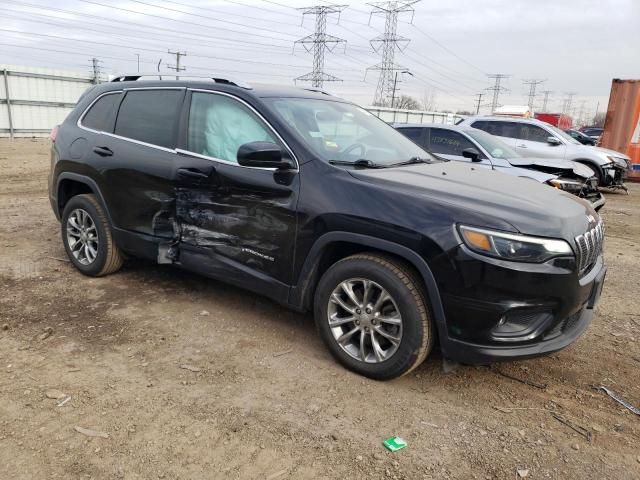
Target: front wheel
372, 314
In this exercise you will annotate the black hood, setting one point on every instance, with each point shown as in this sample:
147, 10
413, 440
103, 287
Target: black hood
530, 207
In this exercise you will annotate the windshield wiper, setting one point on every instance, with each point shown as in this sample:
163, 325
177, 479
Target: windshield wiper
361, 162
411, 161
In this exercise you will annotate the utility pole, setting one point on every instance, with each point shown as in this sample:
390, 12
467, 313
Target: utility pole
319, 42
478, 103
533, 83
497, 89
95, 71
138, 55
387, 44
395, 85
545, 100
177, 66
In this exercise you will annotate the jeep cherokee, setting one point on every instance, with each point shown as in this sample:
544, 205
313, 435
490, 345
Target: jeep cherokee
316, 203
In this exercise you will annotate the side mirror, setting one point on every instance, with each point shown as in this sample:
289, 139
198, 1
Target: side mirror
553, 141
263, 155
472, 154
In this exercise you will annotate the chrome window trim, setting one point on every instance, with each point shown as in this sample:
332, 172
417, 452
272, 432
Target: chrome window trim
264, 120
86, 110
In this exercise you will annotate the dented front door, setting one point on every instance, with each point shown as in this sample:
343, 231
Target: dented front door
239, 223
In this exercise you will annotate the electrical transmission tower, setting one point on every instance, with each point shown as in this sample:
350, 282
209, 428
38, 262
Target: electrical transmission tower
387, 44
545, 100
177, 66
95, 70
497, 89
319, 42
533, 84
566, 104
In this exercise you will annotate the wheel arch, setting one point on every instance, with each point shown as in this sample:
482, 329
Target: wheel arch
334, 246
71, 184
592, 164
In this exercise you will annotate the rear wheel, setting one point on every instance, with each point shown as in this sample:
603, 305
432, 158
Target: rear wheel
372, 314
87, 237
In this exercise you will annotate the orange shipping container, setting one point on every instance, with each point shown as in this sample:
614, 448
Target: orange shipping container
622, 124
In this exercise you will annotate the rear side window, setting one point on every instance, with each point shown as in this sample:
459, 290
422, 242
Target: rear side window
501, 129
414, 134
102, 114
150, 116
446, 142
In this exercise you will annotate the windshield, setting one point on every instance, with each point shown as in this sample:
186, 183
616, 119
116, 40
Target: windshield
344, 132
496, 147
564, 135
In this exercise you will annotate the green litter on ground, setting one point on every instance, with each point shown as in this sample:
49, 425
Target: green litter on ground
394, 443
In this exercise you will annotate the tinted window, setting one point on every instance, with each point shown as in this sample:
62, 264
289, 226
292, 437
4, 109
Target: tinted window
219, 125
150, 116
414, 134
501, 129
447, 142
102, 115
533, 133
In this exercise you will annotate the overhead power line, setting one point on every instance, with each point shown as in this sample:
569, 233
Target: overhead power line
320, 43
387, 44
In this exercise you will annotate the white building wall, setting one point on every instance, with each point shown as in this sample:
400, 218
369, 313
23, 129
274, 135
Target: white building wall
56, 91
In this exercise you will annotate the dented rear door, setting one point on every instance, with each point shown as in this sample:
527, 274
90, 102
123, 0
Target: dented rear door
237, 223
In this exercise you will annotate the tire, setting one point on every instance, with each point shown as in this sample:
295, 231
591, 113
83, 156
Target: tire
597, 171
98, 255
414, 335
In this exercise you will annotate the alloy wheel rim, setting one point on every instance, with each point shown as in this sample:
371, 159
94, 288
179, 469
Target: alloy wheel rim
82, 236
365, 320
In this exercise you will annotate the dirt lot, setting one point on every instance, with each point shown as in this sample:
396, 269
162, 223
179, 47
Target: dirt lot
189, 378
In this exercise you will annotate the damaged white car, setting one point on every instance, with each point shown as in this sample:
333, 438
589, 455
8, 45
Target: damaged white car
467, 144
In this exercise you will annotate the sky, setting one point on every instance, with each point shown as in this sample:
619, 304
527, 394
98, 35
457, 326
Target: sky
575, 46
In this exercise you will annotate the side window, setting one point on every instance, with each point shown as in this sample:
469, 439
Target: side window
501, 129
414, 134
533, 133
102, 114
219, 125
150, 116
447, 142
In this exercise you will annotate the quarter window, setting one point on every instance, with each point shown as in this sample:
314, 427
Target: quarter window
446, 142
219, 125
150, 116
102, 114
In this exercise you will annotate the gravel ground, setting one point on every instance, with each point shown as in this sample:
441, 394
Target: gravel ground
158, 373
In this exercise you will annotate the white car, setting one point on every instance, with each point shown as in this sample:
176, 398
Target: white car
465, 144
534, 138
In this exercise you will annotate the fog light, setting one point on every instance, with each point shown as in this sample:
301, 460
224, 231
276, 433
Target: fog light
519, 325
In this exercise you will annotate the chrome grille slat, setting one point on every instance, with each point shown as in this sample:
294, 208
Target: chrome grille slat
589, 247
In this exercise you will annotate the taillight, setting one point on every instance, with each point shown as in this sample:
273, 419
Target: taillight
54, 133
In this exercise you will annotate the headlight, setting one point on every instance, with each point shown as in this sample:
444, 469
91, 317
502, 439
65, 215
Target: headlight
509, 246
571, 186
619, 161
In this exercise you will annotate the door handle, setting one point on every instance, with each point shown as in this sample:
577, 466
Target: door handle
193, 173
522, 145
103, 151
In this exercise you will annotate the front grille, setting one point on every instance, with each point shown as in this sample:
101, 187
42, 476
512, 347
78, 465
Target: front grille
589, 247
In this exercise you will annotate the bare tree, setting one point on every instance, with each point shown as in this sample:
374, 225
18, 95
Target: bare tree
429, 100
407, 102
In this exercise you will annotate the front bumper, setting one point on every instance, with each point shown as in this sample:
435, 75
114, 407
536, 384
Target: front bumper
502, 313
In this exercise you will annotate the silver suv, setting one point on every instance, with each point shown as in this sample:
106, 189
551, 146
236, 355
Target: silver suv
533, 138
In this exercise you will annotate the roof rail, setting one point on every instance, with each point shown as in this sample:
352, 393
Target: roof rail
132, 77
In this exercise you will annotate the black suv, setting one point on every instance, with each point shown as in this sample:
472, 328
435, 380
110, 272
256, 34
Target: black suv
319, 205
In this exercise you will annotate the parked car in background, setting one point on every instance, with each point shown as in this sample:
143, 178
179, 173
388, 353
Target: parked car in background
533, 138
317, 204
581, 137
593, 132
465, 144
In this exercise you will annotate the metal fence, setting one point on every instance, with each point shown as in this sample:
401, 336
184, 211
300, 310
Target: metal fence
34, 100
397, 115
